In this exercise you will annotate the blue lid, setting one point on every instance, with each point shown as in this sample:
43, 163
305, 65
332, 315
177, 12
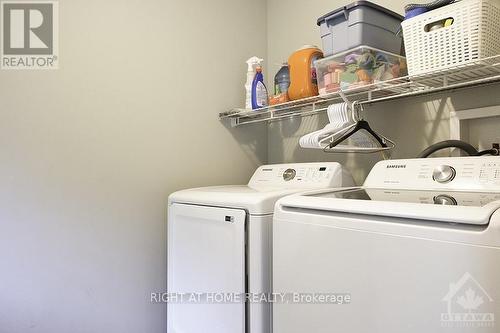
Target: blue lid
415, 12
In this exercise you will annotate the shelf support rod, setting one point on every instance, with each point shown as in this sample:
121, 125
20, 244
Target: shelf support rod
234, 122
344, 97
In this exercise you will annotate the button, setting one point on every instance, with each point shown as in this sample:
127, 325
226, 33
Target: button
444, 174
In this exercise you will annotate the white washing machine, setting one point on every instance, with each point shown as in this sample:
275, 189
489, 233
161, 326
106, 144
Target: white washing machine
416, 249
220, 243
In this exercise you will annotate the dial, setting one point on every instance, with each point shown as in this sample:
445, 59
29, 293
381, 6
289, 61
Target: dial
289, 174
444, 174
445, 200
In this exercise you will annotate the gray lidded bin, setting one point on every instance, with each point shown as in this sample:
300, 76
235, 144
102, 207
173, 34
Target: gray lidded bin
360, 23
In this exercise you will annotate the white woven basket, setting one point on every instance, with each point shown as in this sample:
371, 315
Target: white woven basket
474, 35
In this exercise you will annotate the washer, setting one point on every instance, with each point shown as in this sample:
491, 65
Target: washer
415, 249
219, 244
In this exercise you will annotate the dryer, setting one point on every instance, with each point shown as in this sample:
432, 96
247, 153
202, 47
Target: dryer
219, 245
415, 249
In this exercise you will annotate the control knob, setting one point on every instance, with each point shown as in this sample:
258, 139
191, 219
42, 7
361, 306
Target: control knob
444, 174
289, 174
445, 200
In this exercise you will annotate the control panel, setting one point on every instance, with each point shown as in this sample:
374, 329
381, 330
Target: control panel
454, 173
301, 175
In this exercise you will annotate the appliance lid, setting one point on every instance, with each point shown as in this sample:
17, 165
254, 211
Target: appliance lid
448, 198
440, 206
258, 201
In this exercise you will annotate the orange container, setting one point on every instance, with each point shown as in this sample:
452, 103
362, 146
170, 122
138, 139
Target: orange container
303, 81
279, 99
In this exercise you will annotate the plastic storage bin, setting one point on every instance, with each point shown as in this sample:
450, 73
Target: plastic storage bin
358, 67
452, 36
360, 23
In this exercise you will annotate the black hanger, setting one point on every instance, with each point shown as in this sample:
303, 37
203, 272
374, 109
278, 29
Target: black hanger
360, 125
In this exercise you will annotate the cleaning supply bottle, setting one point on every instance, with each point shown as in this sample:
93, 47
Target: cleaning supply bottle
259, 90
303, 80
252, 64
282, 80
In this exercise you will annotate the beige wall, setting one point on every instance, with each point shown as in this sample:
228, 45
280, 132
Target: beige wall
413, 123
90, 152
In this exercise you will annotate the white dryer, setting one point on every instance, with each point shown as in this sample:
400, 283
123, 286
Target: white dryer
416, 249
220, 243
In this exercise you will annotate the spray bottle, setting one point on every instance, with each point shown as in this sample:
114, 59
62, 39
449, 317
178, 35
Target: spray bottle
260, 97
252, 63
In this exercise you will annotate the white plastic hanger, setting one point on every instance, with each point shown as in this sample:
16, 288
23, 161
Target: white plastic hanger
332, 143
339, 117
345, 122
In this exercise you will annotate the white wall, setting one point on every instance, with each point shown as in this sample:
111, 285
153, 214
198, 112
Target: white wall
90, 152
413, 123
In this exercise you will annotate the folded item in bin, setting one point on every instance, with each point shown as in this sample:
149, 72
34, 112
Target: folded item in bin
414, 9
361, 67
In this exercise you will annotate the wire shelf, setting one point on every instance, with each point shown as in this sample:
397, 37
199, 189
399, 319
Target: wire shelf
475, 73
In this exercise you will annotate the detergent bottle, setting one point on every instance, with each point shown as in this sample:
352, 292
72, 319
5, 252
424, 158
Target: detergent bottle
259, 91
252, 64
303, 80
282, 80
